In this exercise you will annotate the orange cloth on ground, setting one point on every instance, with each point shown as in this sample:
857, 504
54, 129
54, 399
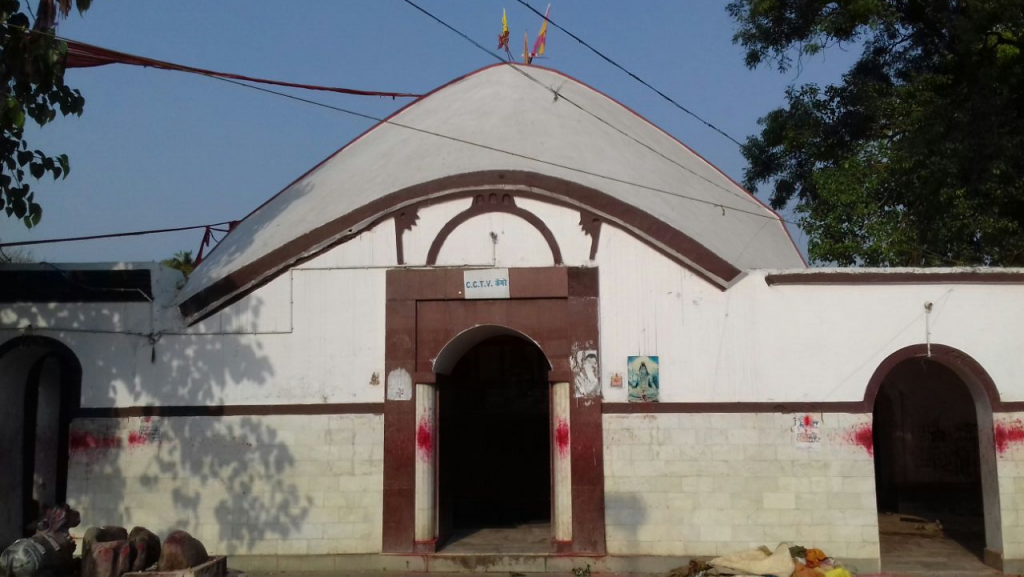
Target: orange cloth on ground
814, 557
802, 570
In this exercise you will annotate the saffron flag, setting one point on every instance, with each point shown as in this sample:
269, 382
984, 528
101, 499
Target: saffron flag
542, 36
503, 37
527, 57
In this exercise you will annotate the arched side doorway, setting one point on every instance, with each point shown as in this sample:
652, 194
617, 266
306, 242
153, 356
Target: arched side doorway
40, 385
935, 458
494, 440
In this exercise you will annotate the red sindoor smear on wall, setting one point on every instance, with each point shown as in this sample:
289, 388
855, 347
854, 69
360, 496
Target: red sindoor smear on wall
1008, 434
863, 437
82, 441
424, 439
562, 437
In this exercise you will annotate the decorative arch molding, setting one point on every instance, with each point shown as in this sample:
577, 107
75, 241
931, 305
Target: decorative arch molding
490, 204
970, 371
666, 239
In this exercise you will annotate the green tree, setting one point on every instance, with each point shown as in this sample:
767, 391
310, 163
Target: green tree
916, 157
32, 74
182, 260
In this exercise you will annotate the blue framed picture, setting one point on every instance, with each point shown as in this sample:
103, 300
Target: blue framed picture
642, 374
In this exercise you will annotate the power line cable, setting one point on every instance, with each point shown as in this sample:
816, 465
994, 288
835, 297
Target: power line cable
771, 216
110, 235
633, 76
744, 195
502, 151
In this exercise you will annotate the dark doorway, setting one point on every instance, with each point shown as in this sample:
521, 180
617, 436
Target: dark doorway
40, 384
494, 449
928, 466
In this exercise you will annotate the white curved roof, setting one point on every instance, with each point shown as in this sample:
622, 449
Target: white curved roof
506, 112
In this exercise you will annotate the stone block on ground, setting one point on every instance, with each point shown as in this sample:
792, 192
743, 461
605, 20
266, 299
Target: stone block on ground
145, 547
212, 567
181, 551
107, 559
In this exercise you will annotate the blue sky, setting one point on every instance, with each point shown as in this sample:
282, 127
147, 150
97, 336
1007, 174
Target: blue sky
159, 149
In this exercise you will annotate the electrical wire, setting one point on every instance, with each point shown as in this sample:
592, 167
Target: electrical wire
744, 195
109, 235
633, 76
503, 151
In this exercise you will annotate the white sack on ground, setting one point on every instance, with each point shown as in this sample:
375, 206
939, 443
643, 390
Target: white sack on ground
757, 562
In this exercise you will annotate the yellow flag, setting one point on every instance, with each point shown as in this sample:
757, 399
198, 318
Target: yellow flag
542, 36
526, 48
504, 22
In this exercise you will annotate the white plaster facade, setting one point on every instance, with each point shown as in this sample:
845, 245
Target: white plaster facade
676, 483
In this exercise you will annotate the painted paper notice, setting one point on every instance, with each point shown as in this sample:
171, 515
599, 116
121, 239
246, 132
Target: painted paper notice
586, 373
807, 432
642, 373
489, 283
399, 385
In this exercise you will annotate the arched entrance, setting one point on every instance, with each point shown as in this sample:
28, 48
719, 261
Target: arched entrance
430, 327
935, 459
40, 384
494, 456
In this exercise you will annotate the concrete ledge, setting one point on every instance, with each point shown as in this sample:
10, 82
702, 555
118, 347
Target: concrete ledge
441, 563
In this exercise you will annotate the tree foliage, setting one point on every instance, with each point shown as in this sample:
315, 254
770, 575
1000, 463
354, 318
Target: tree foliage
182, 260
916, 157
32, 73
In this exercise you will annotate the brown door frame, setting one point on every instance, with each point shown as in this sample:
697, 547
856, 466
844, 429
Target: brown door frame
555, 306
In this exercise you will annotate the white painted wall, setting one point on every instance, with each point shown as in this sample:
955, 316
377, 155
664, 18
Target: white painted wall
315, 334
787, 343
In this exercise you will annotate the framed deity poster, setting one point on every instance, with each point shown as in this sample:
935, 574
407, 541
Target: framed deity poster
642, 375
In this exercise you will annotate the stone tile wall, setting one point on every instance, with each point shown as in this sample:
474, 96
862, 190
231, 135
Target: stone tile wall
258, 485
1009, 439
710, 484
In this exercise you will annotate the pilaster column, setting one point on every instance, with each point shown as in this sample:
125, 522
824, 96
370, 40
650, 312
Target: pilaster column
425, 523
561, 462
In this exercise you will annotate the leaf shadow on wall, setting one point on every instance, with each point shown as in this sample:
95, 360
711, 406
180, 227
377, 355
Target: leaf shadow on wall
626, 512
228, 480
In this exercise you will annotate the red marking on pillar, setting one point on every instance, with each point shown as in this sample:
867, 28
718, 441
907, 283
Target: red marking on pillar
807, 420
136, 438
82, 441
1008, 434
562, 437
862, 436
425, 439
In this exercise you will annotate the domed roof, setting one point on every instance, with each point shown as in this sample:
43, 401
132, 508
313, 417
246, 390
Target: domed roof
536, 127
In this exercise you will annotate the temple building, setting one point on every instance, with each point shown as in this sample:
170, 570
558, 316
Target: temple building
448, 338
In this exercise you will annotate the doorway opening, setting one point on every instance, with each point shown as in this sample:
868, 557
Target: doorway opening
930, 453
40, 383
494, 456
